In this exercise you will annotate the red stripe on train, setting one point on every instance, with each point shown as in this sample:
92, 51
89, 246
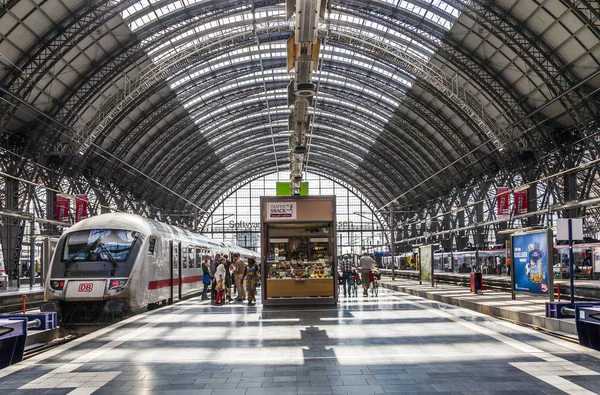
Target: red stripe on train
156, 284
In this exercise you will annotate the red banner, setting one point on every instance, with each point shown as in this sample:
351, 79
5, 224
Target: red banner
81, 207
62, 209
521, 202
502, 197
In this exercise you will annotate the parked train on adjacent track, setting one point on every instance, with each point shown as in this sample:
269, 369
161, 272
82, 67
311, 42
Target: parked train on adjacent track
124, 263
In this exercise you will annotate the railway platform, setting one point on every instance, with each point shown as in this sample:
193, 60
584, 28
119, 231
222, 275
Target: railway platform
395, 343
11, 299
585, 289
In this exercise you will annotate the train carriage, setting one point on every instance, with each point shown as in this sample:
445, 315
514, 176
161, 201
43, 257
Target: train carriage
123, 263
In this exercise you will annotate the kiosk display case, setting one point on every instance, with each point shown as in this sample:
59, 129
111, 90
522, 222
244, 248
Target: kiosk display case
299, 259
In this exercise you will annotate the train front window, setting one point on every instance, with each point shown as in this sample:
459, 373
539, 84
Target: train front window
99, 245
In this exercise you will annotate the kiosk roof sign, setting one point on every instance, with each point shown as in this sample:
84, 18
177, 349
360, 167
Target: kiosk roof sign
281, 211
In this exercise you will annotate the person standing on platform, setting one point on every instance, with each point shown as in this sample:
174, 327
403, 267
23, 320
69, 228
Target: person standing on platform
228, 278
240, 268
220, 282
205, 276
366, 265
346, 267
251, 281
213, 268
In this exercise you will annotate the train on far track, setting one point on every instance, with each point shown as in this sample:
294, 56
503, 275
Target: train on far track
123, 263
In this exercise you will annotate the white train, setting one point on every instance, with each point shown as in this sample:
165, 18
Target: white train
124, 263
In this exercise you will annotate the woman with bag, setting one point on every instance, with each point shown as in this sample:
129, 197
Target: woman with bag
205, 276
220, 280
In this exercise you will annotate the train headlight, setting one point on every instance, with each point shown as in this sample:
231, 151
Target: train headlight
116, 284
57, 285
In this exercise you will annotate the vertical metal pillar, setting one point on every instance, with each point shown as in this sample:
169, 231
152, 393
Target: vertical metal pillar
570, 194
532, 204
393, 239
32, 252
571, 271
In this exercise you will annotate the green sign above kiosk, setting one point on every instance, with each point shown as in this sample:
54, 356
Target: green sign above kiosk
285, 189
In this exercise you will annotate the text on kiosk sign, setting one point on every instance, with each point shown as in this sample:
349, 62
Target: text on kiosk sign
281, 210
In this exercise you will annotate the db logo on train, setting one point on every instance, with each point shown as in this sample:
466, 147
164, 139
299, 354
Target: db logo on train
86, 287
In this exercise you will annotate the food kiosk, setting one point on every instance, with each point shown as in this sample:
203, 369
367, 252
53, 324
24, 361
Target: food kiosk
298, 250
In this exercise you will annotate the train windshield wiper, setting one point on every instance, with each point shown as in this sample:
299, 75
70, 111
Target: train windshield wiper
85, 248
108, 254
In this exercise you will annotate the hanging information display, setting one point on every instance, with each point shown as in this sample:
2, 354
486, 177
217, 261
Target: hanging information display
502, 196
62, 209
532, 262
426, 266
81, 207
520, 202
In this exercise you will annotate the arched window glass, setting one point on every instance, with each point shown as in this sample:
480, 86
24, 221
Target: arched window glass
237, 219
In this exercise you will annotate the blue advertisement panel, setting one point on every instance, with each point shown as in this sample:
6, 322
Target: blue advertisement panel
532, 262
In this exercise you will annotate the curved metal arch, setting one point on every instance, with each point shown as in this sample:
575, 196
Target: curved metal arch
217, 180
217, 203
529, 47
368, 184
422, 107
239, 95
215, 130
329, 167
466, 63
429, 73
254, 146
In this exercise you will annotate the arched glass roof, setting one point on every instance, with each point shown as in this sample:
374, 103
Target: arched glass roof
415, 97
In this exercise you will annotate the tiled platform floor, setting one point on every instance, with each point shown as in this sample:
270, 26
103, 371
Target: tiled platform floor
393, 344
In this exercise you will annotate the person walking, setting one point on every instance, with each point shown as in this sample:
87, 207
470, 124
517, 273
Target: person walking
366, 264
205, 276
240, 268
213, 268
346, 267
228, 279
251, 281
220, 282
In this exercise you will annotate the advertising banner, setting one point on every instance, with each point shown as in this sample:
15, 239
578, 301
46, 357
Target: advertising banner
502, 197
532, 262
81, 207
521, 202
281, 211
426, 267
62, 209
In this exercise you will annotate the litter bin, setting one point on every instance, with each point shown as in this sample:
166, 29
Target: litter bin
13, 334
476, 282
587, 320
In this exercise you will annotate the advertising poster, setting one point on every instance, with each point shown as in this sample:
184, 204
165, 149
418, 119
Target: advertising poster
62, 209
532, 261
596, 260
426, 258
81, 207
502, 197
521, 202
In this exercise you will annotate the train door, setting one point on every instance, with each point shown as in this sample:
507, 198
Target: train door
171, 270
180, 271
175, 271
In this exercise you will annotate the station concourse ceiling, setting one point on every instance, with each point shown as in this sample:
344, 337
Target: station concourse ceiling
415, 97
